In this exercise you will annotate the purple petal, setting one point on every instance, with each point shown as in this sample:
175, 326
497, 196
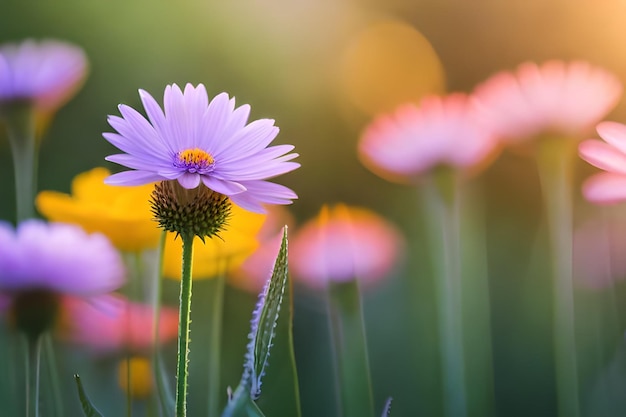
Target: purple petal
263, 192
189, 181
133, 178
154, 112
225, 187
252, 138
216, 118
133, 162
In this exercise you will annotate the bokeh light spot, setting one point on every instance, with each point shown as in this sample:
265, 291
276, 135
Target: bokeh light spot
389, 63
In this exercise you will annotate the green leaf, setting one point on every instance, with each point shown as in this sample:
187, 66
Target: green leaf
88, 409
242, 405
267, 327
264, 319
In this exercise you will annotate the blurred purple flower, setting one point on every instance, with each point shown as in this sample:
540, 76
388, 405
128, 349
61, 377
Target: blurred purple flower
554, 98
58, 257
41, 263
46, 72
344, 243
610, 156
195, 141
441, 131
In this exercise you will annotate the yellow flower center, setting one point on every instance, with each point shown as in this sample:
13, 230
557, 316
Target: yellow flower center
195, 161
195, 156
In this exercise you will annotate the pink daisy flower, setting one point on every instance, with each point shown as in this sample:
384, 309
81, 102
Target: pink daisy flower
122, 325
194, 141
441, 131
344, 243
556, 97
253, 273
610, 186
46, 72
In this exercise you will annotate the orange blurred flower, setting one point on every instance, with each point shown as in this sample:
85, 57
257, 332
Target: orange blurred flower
121, 213
134, 375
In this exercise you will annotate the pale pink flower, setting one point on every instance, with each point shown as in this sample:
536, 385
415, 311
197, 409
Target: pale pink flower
565, 99
46, 73
344, 243
441, 131
610, 156
114, 324
252, 275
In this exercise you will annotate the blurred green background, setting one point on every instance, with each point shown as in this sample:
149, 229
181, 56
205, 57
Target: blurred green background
288, 60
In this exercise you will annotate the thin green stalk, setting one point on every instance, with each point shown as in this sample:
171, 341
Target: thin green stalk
9, 349
476, 303
215, 348
21, 131
555, 161
129, 397
443, 217
135, 264
53, 371
288, 301
184, 319
165, 395
350, 347
33, 372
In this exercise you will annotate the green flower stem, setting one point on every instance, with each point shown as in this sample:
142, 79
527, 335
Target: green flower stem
53, 370
350, 347
555, 158
9, 349
33, 372
184, 320
21, 131
288, 302
129, 397
443, 217
215, 348
165, 395
476, 303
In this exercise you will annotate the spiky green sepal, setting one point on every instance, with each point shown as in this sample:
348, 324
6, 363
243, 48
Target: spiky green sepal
199, 211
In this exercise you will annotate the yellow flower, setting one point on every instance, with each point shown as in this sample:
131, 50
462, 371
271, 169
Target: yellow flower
219, 254
137, 380
121, 213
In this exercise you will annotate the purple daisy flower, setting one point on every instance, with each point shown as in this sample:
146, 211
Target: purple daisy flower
56, 257
195, 142
47, 72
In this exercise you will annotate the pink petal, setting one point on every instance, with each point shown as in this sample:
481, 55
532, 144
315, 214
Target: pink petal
614, 134
606, 188
603, 156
